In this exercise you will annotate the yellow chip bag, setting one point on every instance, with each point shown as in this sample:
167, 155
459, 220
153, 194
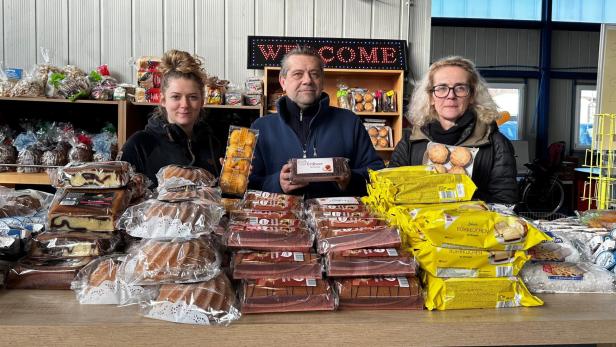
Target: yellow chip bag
400, 172
476, 205
452, 262
432, 189
479, 230
464, 293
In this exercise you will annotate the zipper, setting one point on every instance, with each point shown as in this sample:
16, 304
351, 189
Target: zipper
191, 152
314, 146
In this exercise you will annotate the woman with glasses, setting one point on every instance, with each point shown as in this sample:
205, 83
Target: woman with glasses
452, 106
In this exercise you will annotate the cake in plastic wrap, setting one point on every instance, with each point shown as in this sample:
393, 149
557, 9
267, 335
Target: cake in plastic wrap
255, 265
45, 274
369, 262
109, 174
172, 177
379, 293
287, 295
340, 239
71, 245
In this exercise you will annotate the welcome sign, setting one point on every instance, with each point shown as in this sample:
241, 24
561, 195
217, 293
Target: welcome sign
336, 53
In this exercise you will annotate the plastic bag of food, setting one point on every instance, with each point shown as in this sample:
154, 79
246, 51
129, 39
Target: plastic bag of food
192, 193
370, 262
599, 218
241, 144
341, 239
269, 238
29, 152
30, 86
71, 245
178, 260
342, 95
105, 144
157, 219
431, 188
459, 262
109, 174
212, 302
96, 282
451, 159
215, 90
318, 170
6, 85
287, 295
379, 293
259, 200
560, 277
178, 177
478, 230
8, 153
45, 273
81, 148
464, 293
255, 265
253, 84
233, 95
560, 249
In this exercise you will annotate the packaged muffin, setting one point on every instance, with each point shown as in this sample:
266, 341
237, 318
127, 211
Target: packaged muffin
452, 159
236, 166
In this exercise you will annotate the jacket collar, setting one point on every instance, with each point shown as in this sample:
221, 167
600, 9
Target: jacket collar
159, 126
476, 133
281, 107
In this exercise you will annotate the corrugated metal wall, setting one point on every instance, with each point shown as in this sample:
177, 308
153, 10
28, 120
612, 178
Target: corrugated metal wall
87, 33
518, 49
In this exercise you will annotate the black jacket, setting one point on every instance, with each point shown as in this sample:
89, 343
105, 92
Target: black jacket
162, 143
494, 170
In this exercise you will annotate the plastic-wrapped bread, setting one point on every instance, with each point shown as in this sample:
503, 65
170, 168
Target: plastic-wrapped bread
158, 219
255, 265
109, 174
167, 261
45, 274
191, 193
173, 176
561, 277
16, 204
287, 295
71, 245
212, 302
379, 293
370, 262
333, 240
87, 209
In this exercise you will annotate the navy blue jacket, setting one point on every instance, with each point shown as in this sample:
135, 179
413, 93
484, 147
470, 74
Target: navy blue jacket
334, 132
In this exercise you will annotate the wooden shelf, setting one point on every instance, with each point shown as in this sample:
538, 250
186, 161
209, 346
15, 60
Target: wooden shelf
80, 101
236, 107
24, 178
378, 114
28, 316
380, 149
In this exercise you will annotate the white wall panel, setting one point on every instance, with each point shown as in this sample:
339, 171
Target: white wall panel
84, 34
20, 33
148, 38
386, 19
560, 118
575, 49
269, 17
417, 18
328, 18
210, 34
179, 25
116, 40
357, 16
239, 24
2, 31
52, 30
299, 18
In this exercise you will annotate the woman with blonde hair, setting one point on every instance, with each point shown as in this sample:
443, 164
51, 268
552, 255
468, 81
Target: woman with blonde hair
452, 106
176, 132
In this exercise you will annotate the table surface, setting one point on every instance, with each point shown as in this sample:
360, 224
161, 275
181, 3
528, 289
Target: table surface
56, 318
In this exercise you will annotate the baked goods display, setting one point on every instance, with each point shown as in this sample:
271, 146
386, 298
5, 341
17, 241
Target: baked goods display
76, 244
255, 265
379, 293
87, 209
159, 219
287, 295
455, 159
369, 262
109, 174
190, 193
241, 144
157, 261
178, 177
380, 134
318, 170
212, 302
30, 273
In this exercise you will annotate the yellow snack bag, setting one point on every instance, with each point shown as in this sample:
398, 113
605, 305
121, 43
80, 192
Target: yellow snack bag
400, 172
474, 205
464, 293
457, 262
479, 230
437, 188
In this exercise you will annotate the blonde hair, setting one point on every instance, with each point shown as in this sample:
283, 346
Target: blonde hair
422, 110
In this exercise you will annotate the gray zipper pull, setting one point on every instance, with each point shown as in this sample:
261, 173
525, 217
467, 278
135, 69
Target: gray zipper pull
314, 152
301, 115
304, 154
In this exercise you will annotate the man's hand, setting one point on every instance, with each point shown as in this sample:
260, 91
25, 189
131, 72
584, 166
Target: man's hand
285, 180
343, 181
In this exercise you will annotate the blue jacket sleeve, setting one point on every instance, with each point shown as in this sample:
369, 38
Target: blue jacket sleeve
364, 158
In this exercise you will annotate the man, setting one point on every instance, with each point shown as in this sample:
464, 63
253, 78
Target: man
307, 127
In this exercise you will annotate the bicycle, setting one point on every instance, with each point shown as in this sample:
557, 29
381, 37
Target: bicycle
541, 191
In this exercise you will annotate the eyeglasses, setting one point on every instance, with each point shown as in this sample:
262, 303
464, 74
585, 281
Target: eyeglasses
459, 90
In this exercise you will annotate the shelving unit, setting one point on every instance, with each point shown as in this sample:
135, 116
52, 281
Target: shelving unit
370, 79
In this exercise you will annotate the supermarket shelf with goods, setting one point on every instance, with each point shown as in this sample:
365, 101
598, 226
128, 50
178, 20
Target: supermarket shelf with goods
374, 95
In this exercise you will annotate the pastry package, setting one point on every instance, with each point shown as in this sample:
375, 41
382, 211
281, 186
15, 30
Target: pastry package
13, 243
81, 148
15, 205
335, 204
138, 187
105, 144
170, 261
343, 96
87, 209
158, 219
109, 174
561, 277
178, 177
273, 265
476, 229
74, 244
451, 159
8, 153
253, 84
360, 221
149, 77
249, 221
465, 293
430, 188
243, 214
259, 200
369, 262
215, 90
599, 218
233, 96
253, 99
190, 193
31, 86
96, 282
560, 248
318, 170
30, 273
71, 84
287, 295
459, 262
388, 101
212, 302
29, 152
6, 84
380, 134
269, 238
241, 144
379, 293
341, 239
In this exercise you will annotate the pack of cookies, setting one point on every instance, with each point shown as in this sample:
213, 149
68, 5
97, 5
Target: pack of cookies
450, 159
236, 166
308, 170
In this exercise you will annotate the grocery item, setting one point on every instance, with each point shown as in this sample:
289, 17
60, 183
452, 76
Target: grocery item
341, 239
173, 176
75, 244
454, 159
318, 170
287, 295
268, 238
44, 274
109, 174
369, 262
562, 277
191, 193
255, 265
96, 282
561, 248
379, 293
236, 166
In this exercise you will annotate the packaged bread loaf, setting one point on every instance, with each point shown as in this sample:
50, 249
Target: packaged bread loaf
87, 209
241, 144
379, 293
212, 302
255, 265
287, 295
190, 193
178, 177
96, 282
158, 219
110, 174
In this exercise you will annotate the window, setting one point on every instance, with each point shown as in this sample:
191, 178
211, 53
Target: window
488, 9
585, 108
590, 11
509, 97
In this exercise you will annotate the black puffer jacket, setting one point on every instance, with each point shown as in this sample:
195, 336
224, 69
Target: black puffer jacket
162, 143
494, 170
